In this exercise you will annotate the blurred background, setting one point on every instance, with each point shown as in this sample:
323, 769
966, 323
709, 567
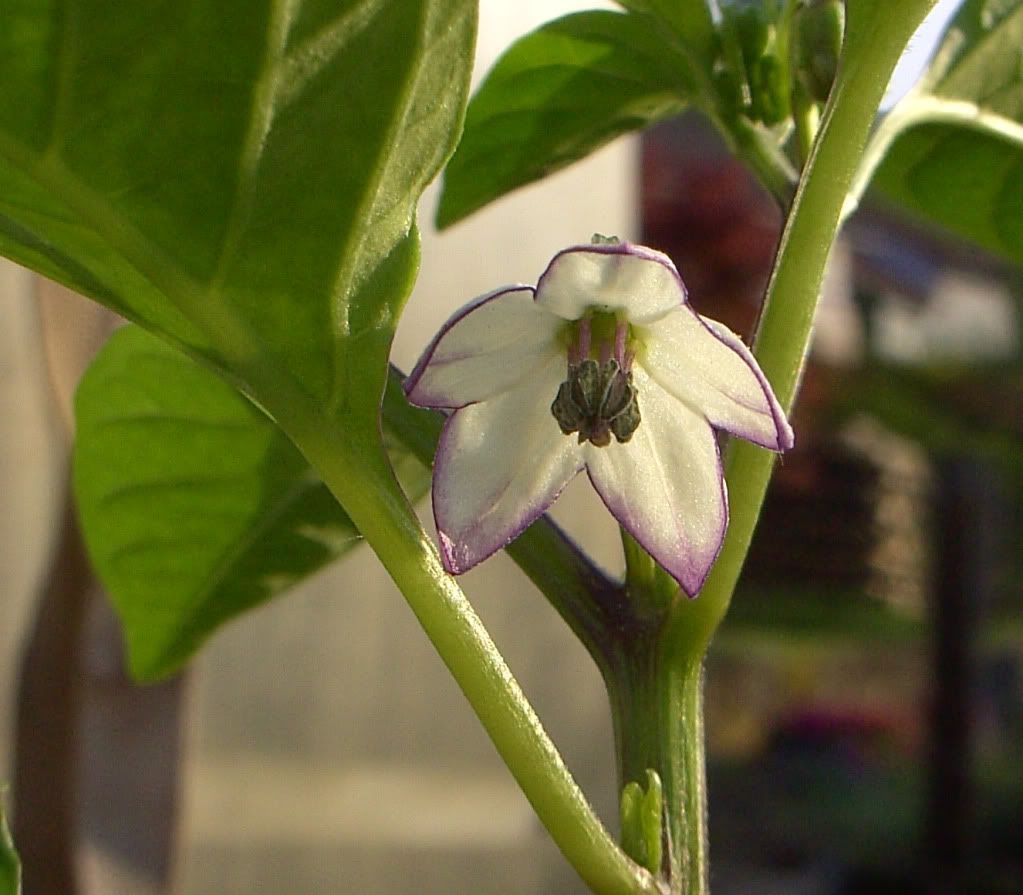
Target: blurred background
865, 695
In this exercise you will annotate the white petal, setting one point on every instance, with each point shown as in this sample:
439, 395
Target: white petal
641, 282
666, 485
499, 465
484, 349
707, 366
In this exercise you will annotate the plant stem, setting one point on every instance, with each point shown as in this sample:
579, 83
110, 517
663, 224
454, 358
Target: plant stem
756, 147
656, 687
360, 477
876, 34
657, 706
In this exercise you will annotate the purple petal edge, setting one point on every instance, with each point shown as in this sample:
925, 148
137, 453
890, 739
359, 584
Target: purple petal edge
785, 437
620, 248
449, 548
690, 575
412, 380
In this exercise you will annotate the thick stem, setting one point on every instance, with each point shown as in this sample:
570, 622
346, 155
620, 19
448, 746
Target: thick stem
656, 688
362, 480
657, 706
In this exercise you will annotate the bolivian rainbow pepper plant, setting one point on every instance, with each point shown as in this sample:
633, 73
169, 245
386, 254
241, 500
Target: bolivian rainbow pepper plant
239, 178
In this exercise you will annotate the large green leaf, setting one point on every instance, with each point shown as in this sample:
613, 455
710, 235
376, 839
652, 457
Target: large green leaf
195, 505
953, 148
10, 868
239, 175
557, 95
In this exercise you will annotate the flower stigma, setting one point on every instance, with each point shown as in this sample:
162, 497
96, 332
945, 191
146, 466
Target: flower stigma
598, 398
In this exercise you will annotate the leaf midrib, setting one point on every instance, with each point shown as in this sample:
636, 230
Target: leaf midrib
354, 244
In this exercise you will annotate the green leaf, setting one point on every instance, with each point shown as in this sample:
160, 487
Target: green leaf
10, 867
238, 175
195, 505
952, 150
557, 95
951, 412
690, 20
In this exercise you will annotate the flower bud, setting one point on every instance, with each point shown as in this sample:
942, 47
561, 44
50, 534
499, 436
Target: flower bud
817, 45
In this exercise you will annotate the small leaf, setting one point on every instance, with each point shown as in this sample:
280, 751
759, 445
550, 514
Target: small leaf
954, 147
643, 822
557, 95
633, 840
194, 505
652, 813
10, 866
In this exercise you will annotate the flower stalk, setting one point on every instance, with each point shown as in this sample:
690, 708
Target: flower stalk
876, 35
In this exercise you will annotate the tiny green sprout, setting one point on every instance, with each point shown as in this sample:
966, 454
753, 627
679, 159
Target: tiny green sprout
750, 74
598, 239
642, 814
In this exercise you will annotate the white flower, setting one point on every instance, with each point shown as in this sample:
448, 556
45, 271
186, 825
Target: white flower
605, 367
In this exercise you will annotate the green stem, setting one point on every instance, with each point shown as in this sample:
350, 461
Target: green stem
875, 37
657, 706
807, 119
361, 478
757, 148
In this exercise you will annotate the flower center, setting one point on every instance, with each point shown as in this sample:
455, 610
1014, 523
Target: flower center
598, 399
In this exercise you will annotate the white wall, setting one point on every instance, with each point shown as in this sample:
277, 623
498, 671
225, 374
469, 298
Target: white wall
30, 473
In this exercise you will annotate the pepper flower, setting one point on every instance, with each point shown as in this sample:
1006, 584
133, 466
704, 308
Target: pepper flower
603, 366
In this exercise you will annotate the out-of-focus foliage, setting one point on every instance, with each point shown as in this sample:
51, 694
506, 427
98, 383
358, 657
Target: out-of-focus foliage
953, 148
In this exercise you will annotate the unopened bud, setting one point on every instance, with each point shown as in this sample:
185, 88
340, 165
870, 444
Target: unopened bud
818, 29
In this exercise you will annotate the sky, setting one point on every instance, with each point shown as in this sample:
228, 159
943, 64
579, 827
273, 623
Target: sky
919, 50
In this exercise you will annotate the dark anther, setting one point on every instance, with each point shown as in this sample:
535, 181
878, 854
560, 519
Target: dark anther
597, 401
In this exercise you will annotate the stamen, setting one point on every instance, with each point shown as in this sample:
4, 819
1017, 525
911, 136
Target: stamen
597, 401
621, 333
583, 342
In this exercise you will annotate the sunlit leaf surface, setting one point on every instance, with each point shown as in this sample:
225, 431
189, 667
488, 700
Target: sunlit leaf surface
194, 504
